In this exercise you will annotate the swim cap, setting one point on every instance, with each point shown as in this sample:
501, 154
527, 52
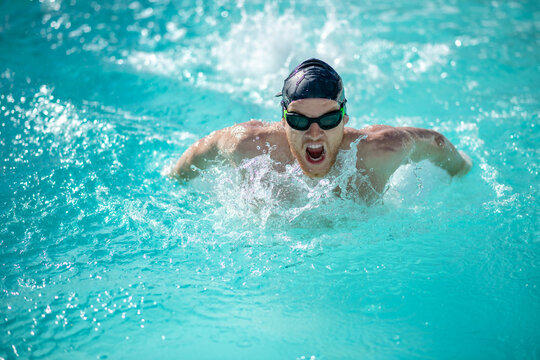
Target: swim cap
312, 79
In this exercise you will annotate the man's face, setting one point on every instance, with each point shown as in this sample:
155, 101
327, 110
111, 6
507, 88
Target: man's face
315, 149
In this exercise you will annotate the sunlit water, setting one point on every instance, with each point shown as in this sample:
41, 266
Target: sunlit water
102, 256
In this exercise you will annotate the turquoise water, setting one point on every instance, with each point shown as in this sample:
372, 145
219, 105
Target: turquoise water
102, 256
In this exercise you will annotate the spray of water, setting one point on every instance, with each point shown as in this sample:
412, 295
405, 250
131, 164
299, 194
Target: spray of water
256, 194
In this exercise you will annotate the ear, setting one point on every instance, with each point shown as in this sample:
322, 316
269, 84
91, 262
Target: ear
345, 119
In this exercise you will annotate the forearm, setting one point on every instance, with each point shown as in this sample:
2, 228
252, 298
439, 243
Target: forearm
433, 146
195, 158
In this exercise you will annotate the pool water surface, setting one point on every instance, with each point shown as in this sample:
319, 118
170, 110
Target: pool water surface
103, 256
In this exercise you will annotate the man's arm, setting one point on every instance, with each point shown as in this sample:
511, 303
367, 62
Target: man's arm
390, 147
431, 145
425, 144
231, 144
198, 155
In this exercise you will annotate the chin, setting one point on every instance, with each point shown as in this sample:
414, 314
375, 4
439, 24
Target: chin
315, 169
314, 175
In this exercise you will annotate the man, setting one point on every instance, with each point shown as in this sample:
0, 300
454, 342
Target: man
312, 131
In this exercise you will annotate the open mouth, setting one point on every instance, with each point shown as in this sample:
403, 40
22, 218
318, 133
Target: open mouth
315, 153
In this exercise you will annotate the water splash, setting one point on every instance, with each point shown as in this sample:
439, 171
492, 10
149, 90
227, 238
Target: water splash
258, 193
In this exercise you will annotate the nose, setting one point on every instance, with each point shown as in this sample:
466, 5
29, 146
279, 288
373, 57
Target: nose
314, 132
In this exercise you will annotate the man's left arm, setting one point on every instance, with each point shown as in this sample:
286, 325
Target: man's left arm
386, 148
430, 145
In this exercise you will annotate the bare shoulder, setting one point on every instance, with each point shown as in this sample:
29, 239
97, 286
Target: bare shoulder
252, 137
384, 138
377, 137
252, 130
233, 144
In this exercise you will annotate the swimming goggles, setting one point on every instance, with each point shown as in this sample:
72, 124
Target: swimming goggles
326, 122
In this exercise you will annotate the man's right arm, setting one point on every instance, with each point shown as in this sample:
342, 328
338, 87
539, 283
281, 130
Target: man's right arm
198, 155
231, 144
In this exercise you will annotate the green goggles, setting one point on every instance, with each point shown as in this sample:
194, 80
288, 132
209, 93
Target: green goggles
302, 123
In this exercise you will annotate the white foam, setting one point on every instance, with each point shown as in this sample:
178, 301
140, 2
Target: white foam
253, 57
414, 183
430, 55
69, 131
255, 54
153, 62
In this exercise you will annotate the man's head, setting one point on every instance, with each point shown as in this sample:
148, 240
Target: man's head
313, 105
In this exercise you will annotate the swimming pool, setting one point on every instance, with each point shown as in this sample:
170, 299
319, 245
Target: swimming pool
103, 256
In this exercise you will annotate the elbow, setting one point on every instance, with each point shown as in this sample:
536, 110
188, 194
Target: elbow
177, 172
183, 174
184, 169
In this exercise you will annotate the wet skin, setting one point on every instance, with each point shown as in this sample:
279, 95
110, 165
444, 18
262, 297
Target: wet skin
381, 151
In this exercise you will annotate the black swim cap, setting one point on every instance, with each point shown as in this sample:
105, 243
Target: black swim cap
312, 79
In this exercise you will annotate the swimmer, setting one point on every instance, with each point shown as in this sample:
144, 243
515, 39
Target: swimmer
312, 131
